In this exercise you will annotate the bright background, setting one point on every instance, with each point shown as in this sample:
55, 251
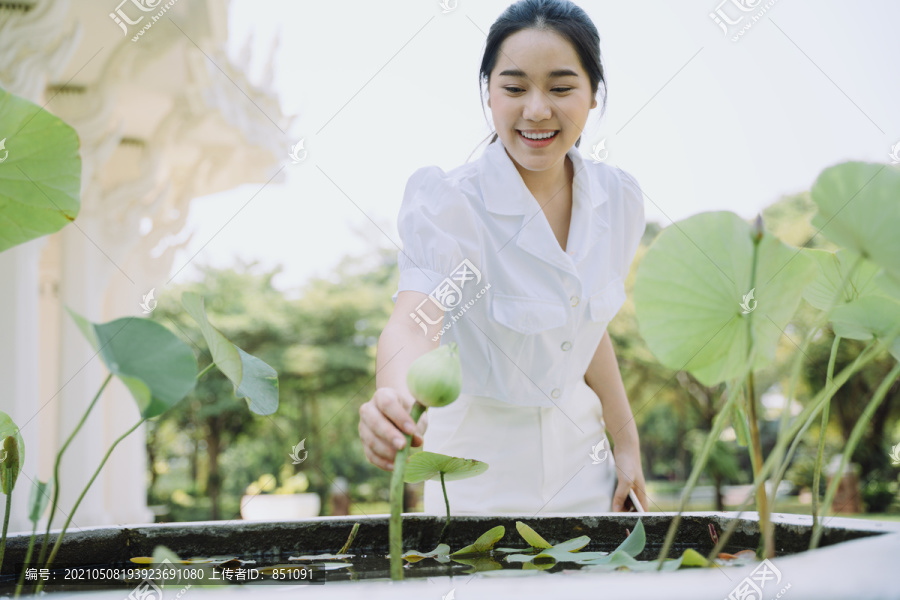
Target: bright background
704, 123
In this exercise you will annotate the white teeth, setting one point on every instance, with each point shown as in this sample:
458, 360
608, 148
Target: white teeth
538, 136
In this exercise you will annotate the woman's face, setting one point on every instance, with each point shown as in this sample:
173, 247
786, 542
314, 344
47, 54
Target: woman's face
538, 86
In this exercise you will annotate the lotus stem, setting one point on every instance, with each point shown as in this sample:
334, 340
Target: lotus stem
447, 502
5, 525
855, 436
817, 473
45, 545
718, 425
62, 533
28, 554
796, 428
396, 523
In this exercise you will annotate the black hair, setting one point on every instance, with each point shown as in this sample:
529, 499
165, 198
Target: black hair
560, 16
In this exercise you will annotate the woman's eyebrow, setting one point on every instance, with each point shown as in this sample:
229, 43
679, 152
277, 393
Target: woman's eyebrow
551, 75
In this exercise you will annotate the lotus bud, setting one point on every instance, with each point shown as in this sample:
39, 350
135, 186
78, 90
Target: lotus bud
9, 467
435, 378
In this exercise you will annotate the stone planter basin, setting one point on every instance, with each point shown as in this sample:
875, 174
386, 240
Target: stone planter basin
856, 558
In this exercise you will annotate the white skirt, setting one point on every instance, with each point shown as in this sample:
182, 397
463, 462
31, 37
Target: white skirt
540, 459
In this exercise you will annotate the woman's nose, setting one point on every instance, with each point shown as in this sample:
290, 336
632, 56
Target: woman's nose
537, 107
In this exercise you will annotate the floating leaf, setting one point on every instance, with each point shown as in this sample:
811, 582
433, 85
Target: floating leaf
440, 552
479, 563
423, 466
564, 552
252, 378
691, 285
531, 536
156, 367
631, 547
484, 543
40, 174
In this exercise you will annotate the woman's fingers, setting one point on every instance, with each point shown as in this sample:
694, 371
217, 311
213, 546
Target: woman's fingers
396, 409
377, 452
380, 420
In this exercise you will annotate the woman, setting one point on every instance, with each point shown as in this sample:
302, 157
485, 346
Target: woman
520, 258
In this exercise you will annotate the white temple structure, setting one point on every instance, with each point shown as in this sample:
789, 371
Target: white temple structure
162, 120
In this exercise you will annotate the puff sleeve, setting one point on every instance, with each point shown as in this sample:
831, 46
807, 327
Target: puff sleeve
635, 222
429, 223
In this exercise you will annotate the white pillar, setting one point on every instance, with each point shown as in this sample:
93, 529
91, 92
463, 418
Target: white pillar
19, 364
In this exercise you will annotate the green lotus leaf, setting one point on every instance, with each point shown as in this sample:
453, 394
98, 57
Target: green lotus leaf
889, 283
423, 466
479, 563
40, 172
692, 286
484, 543
531, 536
631, 547
868, 317
253, 379
858, 208
154, 364
442, 551
832, 268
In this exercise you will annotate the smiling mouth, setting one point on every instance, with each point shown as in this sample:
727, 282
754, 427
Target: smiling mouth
544, 135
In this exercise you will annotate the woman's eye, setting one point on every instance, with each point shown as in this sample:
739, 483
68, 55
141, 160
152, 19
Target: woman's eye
516, 90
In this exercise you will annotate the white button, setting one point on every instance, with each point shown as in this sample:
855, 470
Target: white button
566, 345
555, 393
574, 300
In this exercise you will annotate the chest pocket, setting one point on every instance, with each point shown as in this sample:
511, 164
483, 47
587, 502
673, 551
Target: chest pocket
607, 302
527, 315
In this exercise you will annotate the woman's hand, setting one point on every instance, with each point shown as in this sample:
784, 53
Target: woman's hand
630, 476
381, 420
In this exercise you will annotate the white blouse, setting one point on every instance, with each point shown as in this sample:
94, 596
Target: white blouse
526, 315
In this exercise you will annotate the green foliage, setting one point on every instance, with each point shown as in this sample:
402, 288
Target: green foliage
205, 452
40, 182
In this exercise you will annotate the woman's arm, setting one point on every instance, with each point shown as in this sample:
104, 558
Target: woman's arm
604, 378
401, 342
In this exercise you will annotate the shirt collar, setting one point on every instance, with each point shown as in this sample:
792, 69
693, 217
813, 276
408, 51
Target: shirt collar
505, 193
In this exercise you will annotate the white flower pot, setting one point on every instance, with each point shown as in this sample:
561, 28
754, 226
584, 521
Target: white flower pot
277, 507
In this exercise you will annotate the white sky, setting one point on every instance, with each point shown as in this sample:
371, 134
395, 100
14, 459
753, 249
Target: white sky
735, 127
